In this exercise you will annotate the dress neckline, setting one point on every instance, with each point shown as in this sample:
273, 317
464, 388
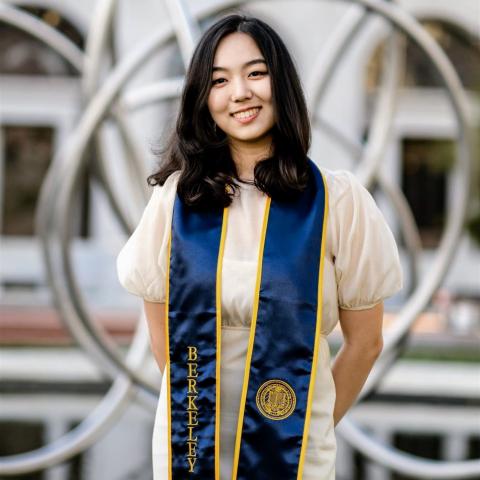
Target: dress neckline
246, 184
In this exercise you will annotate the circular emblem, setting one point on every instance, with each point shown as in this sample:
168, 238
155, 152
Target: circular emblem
276, 399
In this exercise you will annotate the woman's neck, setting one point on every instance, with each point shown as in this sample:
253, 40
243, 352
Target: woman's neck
247, 156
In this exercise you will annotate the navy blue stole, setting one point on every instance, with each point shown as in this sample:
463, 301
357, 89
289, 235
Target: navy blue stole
280, 370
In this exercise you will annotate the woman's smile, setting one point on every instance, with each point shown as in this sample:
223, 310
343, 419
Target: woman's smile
247, 116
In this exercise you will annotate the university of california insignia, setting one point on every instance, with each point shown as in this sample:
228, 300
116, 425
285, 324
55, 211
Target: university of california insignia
276, 399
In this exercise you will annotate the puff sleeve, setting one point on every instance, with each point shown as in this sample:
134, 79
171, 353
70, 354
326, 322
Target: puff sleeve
142, 262
367, 264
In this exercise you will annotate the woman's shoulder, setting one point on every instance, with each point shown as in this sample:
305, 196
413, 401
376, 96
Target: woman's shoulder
167, 191
162, 197
341, 184
170, 183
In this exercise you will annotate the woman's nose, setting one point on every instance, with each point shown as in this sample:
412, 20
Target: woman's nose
240, 90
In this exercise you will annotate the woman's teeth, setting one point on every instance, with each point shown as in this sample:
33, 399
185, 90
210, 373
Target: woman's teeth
247, 113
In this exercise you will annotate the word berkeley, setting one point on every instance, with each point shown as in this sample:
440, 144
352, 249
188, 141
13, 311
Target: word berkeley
192, 410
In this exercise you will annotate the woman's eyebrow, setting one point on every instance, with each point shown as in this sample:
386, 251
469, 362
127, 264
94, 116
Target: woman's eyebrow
250, 62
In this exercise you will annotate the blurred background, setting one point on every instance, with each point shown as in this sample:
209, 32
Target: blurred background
89, 89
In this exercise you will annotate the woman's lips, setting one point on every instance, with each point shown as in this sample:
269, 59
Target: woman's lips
248, 119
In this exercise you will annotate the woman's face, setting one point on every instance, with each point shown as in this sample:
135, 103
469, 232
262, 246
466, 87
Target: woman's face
241, 82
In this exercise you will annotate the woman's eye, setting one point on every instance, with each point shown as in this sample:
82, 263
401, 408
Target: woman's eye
257, 71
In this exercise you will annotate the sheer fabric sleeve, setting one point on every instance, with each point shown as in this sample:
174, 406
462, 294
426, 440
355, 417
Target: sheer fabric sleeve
367, 264
142, 262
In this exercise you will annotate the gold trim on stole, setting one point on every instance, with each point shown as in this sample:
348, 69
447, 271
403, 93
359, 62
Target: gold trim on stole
219, 340
317, 337
167, 359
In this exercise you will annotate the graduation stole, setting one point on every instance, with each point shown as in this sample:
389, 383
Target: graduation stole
281, 360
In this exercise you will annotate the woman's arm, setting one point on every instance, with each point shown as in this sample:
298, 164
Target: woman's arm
363, 343
155, 313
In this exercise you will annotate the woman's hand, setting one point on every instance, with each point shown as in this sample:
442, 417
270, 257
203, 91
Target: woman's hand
363, 343
155, 314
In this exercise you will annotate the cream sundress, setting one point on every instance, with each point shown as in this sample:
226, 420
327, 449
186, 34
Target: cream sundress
361, 268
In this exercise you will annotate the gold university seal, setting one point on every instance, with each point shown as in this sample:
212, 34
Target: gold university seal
276, 399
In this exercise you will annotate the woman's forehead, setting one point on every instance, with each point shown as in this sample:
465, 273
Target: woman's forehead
236, 50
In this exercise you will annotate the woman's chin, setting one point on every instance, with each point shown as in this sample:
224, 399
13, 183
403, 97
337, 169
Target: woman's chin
249, 137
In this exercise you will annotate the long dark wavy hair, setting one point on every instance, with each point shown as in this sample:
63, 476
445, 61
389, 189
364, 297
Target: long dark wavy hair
202, 153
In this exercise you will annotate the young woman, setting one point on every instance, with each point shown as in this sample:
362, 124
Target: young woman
246, 256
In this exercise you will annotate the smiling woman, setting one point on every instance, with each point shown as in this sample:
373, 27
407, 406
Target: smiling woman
239, 64
247, 256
